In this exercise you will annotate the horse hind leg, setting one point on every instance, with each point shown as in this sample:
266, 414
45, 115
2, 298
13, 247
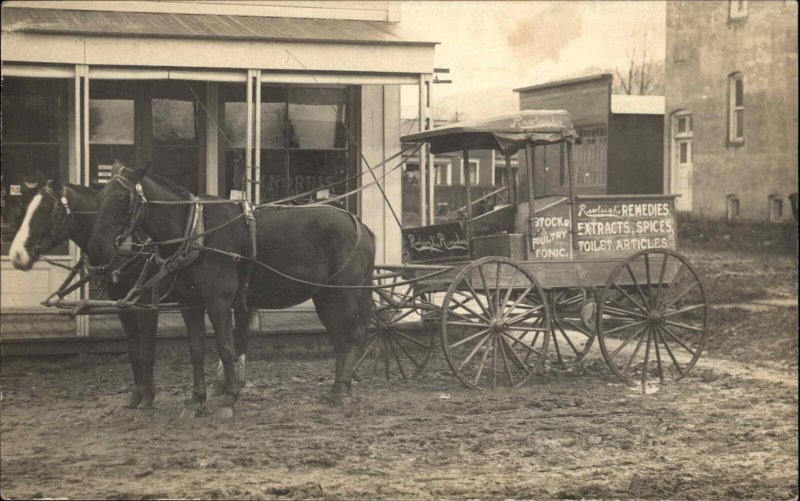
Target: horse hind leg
196, 329
219, 312
243, 320
345, 314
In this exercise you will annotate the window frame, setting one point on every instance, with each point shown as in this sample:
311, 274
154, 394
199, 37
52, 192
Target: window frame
686, 137
737, 9
473, 182
734, 108
732, 202
772, 201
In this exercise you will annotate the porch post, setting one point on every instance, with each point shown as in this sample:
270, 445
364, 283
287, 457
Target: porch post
431, 163
256, 178
82, 147
423, 153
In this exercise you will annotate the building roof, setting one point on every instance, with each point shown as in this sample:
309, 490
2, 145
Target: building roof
637, 105
571, 81
166, 25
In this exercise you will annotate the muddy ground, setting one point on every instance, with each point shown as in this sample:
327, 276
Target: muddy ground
727, 431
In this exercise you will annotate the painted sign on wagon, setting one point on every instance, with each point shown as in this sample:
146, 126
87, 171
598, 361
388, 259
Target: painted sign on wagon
436, 242
618, 228
604, 227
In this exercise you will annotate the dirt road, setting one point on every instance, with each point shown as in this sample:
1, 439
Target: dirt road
720, 434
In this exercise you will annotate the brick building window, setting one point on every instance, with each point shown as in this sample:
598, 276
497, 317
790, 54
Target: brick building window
736, 108
737, 9
732, 211
775, 208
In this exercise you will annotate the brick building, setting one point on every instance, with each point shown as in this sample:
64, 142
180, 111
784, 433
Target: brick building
731, 109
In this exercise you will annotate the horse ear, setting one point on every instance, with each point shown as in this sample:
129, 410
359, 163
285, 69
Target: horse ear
53, 185
41, 180
117, 167
138, 174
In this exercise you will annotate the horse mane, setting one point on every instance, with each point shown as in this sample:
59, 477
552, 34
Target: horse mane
171, 186
166, 183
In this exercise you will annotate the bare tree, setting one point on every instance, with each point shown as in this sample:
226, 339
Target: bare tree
641, 75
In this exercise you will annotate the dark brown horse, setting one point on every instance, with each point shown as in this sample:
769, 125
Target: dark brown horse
58, 212
320, 253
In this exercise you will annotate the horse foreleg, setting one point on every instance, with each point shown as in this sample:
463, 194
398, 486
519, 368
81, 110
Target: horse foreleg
148, 324
131, 328
196, 328
241, 331
219, 312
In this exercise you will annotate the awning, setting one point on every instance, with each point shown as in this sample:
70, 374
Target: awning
117, 39
506, 133
201, 26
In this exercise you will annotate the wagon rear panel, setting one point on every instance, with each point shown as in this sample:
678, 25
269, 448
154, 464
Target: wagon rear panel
607, 227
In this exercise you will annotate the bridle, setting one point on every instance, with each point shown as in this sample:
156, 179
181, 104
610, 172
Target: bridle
136, 207
61, 201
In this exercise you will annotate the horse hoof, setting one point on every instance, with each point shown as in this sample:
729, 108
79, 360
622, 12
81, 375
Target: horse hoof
133, 401
194, 409
225, 412
336, 399
145, 404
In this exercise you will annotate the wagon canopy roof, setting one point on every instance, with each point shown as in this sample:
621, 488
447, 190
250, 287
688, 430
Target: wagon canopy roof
506, 133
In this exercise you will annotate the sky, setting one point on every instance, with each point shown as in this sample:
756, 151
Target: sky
494, 47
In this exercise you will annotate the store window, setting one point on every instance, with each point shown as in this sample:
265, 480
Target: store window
34, 132
304, 141
147, 121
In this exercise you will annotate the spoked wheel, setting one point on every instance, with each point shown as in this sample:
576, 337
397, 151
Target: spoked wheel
495, 324
651, 318
396, 345
573, 328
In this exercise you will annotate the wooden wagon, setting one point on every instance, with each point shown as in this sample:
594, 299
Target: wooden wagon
536, 279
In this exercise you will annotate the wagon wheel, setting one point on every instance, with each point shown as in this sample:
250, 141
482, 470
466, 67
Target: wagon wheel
573, 328
396, 346
494, 324
651, 318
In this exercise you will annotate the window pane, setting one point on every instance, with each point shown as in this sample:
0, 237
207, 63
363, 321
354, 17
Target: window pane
173, 122
684, 153
315, 118
314, 169
682, 123
273, 125
739, 119
235, 125
739, 91
33, 116
111, 121
273, 175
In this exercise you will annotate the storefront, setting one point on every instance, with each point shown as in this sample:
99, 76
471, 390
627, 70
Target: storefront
305, 101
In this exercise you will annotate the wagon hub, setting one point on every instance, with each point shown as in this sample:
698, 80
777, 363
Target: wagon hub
655, 317
498, 325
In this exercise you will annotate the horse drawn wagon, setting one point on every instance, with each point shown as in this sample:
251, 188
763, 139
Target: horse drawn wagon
541, 276
534, 280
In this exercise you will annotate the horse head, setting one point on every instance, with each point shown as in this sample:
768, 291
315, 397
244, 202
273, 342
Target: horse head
120, 205
46, 223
